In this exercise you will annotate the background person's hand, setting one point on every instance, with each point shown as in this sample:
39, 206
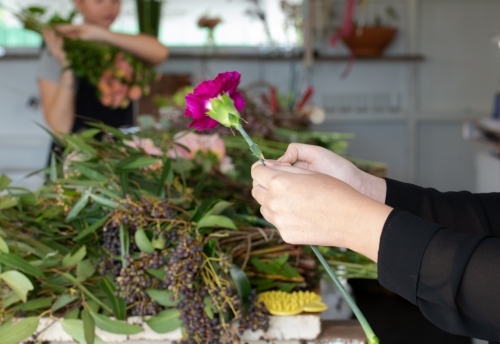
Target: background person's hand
319, 159
313, 208
54, 43
85, 32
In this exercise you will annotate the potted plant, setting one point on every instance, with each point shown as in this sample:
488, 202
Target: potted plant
370, 40
149, 16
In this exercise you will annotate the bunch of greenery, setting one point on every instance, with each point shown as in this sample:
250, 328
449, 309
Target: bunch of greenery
119, 77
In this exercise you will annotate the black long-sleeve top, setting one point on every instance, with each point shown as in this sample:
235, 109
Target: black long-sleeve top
441, 251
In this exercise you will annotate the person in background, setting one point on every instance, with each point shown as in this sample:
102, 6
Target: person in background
68, 101
440, 251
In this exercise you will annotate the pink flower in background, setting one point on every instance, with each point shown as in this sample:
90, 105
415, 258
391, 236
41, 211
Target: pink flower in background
189, 140
201, 143
147, 145
226, 165
135, 92
214, 144
124, 70
198, 103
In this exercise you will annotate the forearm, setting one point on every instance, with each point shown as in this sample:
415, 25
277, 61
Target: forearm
451, 276
462, 211
59, 114
144, 47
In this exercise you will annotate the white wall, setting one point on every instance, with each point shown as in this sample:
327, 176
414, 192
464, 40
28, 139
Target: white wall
421, 140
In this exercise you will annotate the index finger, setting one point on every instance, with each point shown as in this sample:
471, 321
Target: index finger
263, 174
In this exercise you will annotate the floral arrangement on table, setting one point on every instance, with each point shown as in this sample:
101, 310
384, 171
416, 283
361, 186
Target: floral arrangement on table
118, 76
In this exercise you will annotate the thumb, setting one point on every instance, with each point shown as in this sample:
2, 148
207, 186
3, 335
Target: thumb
299, 152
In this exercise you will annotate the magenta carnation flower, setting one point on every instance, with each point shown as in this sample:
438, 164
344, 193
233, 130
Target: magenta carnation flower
212, 94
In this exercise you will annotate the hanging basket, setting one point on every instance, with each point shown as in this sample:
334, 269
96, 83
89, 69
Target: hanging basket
149, 16
369, 41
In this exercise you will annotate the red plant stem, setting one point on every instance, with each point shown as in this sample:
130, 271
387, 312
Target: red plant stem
306, 97
273, 95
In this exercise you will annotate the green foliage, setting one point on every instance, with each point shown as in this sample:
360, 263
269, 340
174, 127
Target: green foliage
54, 238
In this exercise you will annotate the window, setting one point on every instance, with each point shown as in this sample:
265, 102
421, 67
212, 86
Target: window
179, 22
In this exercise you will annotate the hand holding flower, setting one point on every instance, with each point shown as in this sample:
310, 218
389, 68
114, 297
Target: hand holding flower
312, 208
322, 160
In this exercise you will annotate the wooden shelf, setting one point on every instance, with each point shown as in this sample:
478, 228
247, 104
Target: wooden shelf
33, 53
293, 57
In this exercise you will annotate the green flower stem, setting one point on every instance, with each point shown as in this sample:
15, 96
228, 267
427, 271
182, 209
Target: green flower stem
370, 335
253, 147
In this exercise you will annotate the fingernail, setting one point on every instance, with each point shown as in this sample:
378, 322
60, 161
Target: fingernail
279, 160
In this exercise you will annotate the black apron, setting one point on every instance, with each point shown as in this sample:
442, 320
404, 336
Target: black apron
88, 108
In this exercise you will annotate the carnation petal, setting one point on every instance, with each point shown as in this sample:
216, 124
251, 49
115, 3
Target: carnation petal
239, 101
209, 89
230, 81
195, 106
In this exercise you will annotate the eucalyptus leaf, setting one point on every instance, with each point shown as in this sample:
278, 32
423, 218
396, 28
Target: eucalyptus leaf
142, 241
92, 306
64, 300
73, 259
18, 282
89, 172
136, 162
219, 208
78, 207
78, 144
74, 328
53, 168
7, 201
124, 244
214, 221
263, 267
3, 246
8, 301
163, 297
72, 314
158, 273
13, 333
115, 326
92, 228
104, 201
84, 270
166, 321
16, 262
208, 307
45, 302
88, 327
117, 303
4, 182
116, 132
89, 133
167, 171
242, 284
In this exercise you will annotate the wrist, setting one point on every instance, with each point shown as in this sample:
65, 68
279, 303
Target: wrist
67, 79
105, 36
373, 187
366, 239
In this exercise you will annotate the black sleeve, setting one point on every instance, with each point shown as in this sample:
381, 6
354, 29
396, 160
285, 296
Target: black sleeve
464, 212
453, 276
